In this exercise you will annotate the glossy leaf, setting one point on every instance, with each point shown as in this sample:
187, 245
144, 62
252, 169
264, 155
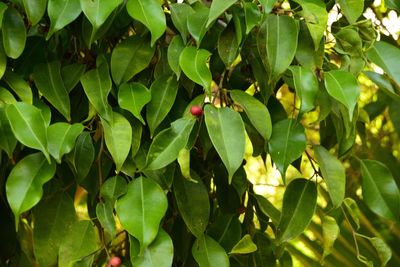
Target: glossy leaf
24, 184
49, 82
298, 207
196, 23
352, 9
118, 138
82, 156
166, 145
151, 14
141, 209
179, 15
207, 252
228, 45
62, 13
3, 58
28, 126
97, 85
19, 86
226, 130
244, 246
267, 5
184, 164
277, 43
53, 218
14, 33
71, 75
61, 138
113, 188
133, 97
175, 49
380, 191
330, 232
252, 15
159, 254
353, 212
333, 173
130, 57
217, 8
163, 93
287, 143
104, 213
307, 87
8, 141
343, 87
257, 112
34, 10
268, 209
193, 63
193, 203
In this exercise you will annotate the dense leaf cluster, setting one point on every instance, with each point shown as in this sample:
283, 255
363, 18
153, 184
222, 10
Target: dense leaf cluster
101, 156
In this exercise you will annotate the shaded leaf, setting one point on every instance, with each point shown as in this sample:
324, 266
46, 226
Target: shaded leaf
306, 86
196, 23
104, 213
207, 252
175, 49
133, 97
217, 8
330, 232
268, 209
82, 156
179, 15
14, 33
252, 15
8, 141
228, 45
244, 246
19, 86
226, 230
35, 10
352, 9
353, 212
71, 75
113, 188
62, 13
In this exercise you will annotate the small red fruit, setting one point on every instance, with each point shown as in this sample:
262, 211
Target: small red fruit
114, 262
196, 110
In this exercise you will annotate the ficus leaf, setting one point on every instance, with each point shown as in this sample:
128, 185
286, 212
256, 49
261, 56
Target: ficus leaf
133, 97
14, 33
207, 252
62, 13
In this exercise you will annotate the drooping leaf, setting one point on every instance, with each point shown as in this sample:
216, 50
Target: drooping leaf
208, 253
343, 87
118, 138
8, 141
49, 82
14, 33
277, 43
179, 15
3, 58
287, 143
141, 209
130, 57
267, 5
353, 212
330, 232
184, 164
193, 203
306, 86
217, 8
244, 246
196, 23
19, 86
53, 218
175, 49
113, 188
81, 241
380, 191
226, 130
257, 112
193, 63
28, 126
298, 207
61, 138
268, 209
62, 13
383, 83
265, 251
82, 156
24, 184
71, 75
159, 254
383, 250
133, 97
35, 10
163, 93
333, 173
104, 213
228, 45
252, 15
166, 145
352, 9
151, 14
226, 230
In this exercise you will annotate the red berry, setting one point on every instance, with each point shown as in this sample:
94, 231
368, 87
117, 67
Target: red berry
196, 110
114, 262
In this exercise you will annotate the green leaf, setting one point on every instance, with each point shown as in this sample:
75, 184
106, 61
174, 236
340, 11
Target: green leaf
71, 75
14, 33
330, 232
267, 5
226, 230
380, 191
287, 143
141, 209
151, 14
175, 49
184, 164
252, 15
28, 126
196, 23
53, 218
3, 8
130, 57
265, 252
306, 85
333, 173
383, 83
226, 130
113, 188
133, 97
24, 184
257, 112
208, 253
316, 17
8, 141
298, 207
104, 213
384, 251
160, 253
351, 9
19, 86
97, 85
353, 212
193, 203
392, 4
3, 57
193, 63
277, 43
166, 145
387, 57
268, 209
217, 8
34, 10
228, 45
163, 93
244, 246
61, 138
49, 82
62, 13
81, 241
343, 87
118, 137
180, 13
82, 156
